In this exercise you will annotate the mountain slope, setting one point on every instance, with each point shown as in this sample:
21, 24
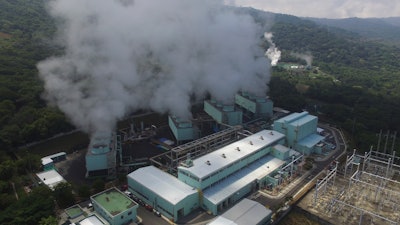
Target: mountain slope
381, 29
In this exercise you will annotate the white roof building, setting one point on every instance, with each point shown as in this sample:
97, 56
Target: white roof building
218, 159
162, 183
51, 178
246, 212
92, 220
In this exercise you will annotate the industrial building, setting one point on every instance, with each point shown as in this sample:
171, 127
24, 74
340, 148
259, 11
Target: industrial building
101, 157
115, 207
170, 196
254, 106
246, 212
222, 113
183, 130
301, 134
217, 180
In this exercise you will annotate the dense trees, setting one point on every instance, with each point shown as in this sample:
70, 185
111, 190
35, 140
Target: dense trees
25, 30
29, 209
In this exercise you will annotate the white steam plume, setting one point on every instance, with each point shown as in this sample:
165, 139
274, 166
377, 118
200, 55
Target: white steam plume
273, 53
304, 56
125, 55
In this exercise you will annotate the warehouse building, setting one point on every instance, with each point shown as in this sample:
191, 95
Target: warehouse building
300, 130
218, 180
233, 171
115, 207
246, 212
162, 191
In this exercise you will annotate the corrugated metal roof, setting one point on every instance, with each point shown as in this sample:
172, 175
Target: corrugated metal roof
246, 212
240, 179
218, 159
311, 140
162, 183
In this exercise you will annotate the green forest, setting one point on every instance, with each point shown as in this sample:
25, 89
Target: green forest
353, 84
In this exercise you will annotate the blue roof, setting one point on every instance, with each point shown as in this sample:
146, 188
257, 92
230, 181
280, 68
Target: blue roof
303, 120
290, 118
235, 182
311, 140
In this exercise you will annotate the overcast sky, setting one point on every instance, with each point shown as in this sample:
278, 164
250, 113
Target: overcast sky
326, 8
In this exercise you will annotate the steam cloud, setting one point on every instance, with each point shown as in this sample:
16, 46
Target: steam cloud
273, 53
304, 56
125, 55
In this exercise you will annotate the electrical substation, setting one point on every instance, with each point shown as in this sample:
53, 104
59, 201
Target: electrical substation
365, 190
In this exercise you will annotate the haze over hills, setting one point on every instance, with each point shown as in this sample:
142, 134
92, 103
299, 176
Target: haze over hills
380, 29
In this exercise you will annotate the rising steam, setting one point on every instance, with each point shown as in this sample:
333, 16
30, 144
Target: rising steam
273, 53
125, 55
304, 56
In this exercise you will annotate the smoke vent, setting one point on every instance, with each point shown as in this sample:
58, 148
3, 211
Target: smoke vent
251, 143
208, 162
261, 137
223, 155
271, 133
238, 149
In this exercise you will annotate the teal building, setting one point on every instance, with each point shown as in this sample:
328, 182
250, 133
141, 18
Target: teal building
183, 130
215, 181
300, 130
162, 191
254, 106
101, 158
223, 114
115, 207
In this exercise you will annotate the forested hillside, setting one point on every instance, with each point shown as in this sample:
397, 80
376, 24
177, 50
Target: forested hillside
384, 30
352, 83
356, 85
363, 97
25, 31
